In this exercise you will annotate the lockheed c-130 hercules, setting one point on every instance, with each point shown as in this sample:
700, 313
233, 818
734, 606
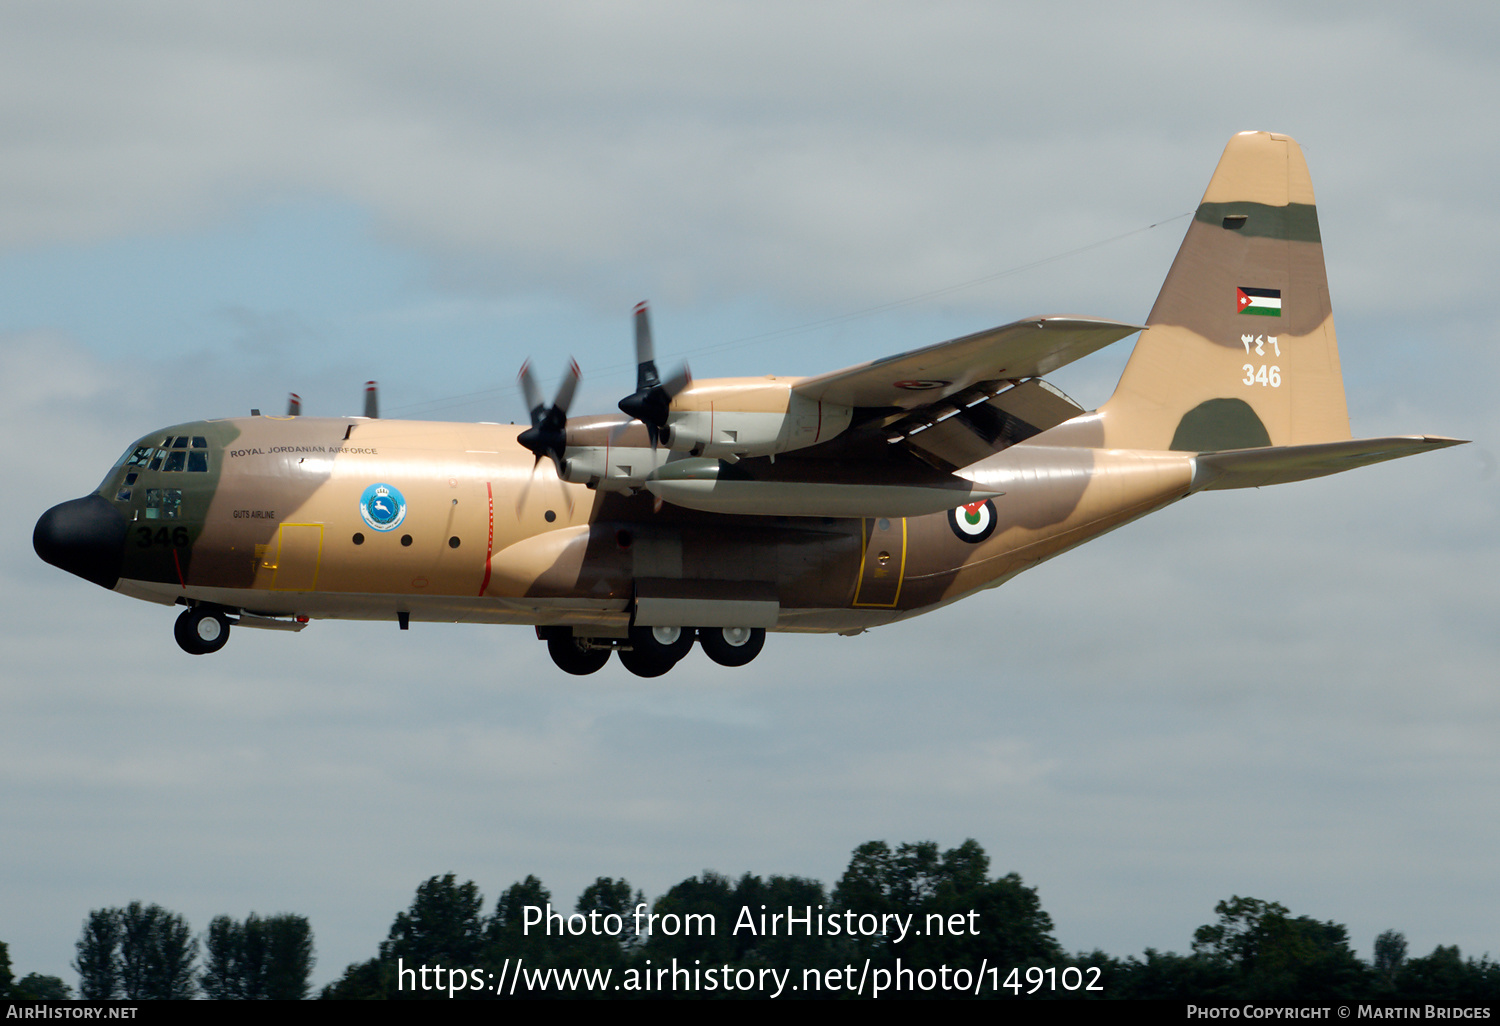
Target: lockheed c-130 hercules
718, 510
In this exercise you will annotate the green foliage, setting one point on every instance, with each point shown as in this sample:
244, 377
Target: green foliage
1273, 956
959, 916
444, 925
139, 952
1390, 956
36, 987
362, 981
259, 959
690, 906
98, 956
157, 952
1445, 976
7, 978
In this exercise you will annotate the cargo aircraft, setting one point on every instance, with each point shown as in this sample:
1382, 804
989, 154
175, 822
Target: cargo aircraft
715, 511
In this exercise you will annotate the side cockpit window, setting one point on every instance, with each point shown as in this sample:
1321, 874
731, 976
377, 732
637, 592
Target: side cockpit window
124, 493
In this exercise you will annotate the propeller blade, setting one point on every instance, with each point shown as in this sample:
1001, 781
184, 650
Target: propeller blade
372, 400
679, 381
567, 388
531, 393
294, 405
651, 401
547, 435
645, 352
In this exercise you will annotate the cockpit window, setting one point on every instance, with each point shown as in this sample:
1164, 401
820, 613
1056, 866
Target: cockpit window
163, 503
176, 453
123, 495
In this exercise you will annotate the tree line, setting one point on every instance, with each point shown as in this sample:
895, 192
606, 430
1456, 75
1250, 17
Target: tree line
147, 953
958, 916
1255, 950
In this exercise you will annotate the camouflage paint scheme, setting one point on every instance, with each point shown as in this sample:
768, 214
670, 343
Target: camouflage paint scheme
1219, 392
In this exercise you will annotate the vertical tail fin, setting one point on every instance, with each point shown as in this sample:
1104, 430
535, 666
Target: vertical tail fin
1240, 349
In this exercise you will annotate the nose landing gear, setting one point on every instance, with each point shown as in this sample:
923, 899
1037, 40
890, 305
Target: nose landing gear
201, 630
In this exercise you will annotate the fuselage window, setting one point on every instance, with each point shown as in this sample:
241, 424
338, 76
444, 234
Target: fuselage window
141, 456
198, 462
199, 442
156, 458
176, 460
180, 442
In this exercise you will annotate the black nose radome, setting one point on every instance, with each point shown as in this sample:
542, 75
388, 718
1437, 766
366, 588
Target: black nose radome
84, 537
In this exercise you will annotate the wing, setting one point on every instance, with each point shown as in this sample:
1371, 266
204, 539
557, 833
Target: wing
1025, 349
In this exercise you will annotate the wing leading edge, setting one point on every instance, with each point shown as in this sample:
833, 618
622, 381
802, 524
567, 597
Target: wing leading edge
921, 377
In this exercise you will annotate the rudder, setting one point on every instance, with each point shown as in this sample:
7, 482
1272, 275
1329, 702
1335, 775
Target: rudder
1240, 350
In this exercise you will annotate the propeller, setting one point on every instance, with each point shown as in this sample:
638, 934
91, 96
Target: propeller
652, 399
372, 400
294, 405
547, 435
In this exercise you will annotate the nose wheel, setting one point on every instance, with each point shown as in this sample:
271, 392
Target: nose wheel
201, 630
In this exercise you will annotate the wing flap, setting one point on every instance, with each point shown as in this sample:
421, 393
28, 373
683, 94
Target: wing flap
1025, 349
967, 433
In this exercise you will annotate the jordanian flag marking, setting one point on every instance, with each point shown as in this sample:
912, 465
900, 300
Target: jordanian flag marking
1262, 302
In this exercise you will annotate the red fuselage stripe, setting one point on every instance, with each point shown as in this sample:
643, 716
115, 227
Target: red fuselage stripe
489, 545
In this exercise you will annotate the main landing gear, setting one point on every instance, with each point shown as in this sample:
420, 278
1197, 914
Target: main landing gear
652, 651
201, 630
731, 646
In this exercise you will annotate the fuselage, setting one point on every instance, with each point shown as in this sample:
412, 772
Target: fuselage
354, 518
716, 511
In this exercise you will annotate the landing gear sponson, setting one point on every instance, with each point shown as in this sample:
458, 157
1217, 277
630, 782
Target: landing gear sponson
652, 651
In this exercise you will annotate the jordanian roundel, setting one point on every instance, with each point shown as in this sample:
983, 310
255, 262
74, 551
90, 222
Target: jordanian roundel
974, 521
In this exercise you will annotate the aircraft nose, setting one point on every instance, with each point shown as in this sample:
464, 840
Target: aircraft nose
84, 537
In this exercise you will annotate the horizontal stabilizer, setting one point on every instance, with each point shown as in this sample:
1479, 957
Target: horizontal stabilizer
1252, 468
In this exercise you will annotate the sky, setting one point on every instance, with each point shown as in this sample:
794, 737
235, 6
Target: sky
1284, 693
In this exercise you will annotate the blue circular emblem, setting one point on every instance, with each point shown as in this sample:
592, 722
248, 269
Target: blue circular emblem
383, 507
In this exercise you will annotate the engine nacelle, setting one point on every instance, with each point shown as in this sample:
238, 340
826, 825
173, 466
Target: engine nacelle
727, 418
